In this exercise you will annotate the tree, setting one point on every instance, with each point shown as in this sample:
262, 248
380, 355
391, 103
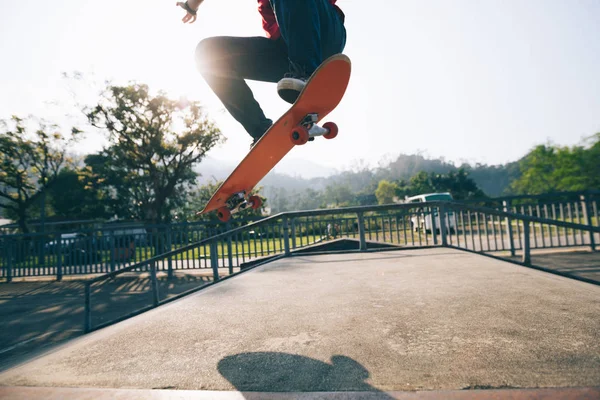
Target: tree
537, 171
280, 200
421, 183
84, 201
458, 184
548, 168
154, 143
339, 195
386, 191
592, 162
308, 199
29, 164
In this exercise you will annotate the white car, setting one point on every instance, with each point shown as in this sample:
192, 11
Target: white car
422, 219
66, 240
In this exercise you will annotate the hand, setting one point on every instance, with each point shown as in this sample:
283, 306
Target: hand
190, 7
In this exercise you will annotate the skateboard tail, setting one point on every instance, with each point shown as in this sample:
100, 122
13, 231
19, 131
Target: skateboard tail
327, 85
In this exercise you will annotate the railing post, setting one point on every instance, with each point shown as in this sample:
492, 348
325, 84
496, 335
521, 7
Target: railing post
154, 282
361, 231
433, 226
87, 314
293, 233
113, 251
509, 230
286, 236
169, 246
229, 249
526, 244
39, 244
59, 258
443, 228
214, 260
587, 215
9, 259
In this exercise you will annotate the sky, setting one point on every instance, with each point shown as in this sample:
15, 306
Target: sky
470, 81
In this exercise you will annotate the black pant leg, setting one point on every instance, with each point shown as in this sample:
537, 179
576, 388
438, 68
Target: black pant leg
225, 62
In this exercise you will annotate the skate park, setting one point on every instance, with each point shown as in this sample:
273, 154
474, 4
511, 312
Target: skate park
372, 313
444, 244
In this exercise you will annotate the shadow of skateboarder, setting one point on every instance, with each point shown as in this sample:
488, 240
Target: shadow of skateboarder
282, 372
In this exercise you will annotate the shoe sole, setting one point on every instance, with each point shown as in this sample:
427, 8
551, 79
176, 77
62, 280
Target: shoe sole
289, 90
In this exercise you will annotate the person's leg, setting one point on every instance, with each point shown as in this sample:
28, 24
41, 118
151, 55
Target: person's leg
226, 61
313, 31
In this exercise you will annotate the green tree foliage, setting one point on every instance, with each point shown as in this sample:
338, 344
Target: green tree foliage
282, 199
592, 162
386, 191
74, 196
457, 183
29, 164
154, 143
340, 195
308, 199
422, 183
548, 168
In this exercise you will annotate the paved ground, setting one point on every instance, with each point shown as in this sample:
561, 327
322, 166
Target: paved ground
437, 319
28, 393
578, 264
37, 313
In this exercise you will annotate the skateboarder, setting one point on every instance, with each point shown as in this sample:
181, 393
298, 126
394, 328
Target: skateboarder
300, 34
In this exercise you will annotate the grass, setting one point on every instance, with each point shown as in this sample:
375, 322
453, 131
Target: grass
249, 247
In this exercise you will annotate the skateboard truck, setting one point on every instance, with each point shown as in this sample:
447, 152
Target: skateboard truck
236, 203
308, 130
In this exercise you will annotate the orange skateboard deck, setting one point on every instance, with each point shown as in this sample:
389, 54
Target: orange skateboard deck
321, 95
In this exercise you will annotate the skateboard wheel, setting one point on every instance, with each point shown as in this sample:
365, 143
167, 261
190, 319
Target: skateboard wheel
256, 202
332, 128
299, 135
223, 214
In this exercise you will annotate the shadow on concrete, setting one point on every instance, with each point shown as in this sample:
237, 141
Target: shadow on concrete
35, 315
283, 372
580, 265
381, 256
343, 245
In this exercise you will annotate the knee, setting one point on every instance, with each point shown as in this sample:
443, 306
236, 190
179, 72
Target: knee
206, 52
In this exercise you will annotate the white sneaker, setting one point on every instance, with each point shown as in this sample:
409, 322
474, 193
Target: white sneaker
289, 88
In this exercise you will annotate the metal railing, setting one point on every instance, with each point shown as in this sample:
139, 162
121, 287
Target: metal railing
111, 248
573, 207
94, 251
448, 224
486, 230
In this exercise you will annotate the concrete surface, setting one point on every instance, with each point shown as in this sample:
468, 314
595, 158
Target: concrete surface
579, 264
25, 393
437, 319
36, 314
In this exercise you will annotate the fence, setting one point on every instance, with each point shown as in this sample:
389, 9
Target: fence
479, 229
94, 251
455, 225
563, 206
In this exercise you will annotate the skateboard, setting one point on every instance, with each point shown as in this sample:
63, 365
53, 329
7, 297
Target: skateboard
321, 95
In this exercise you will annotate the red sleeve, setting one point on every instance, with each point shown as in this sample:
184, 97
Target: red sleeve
269, 22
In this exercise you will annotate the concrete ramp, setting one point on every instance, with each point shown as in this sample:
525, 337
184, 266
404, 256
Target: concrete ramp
417, 320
